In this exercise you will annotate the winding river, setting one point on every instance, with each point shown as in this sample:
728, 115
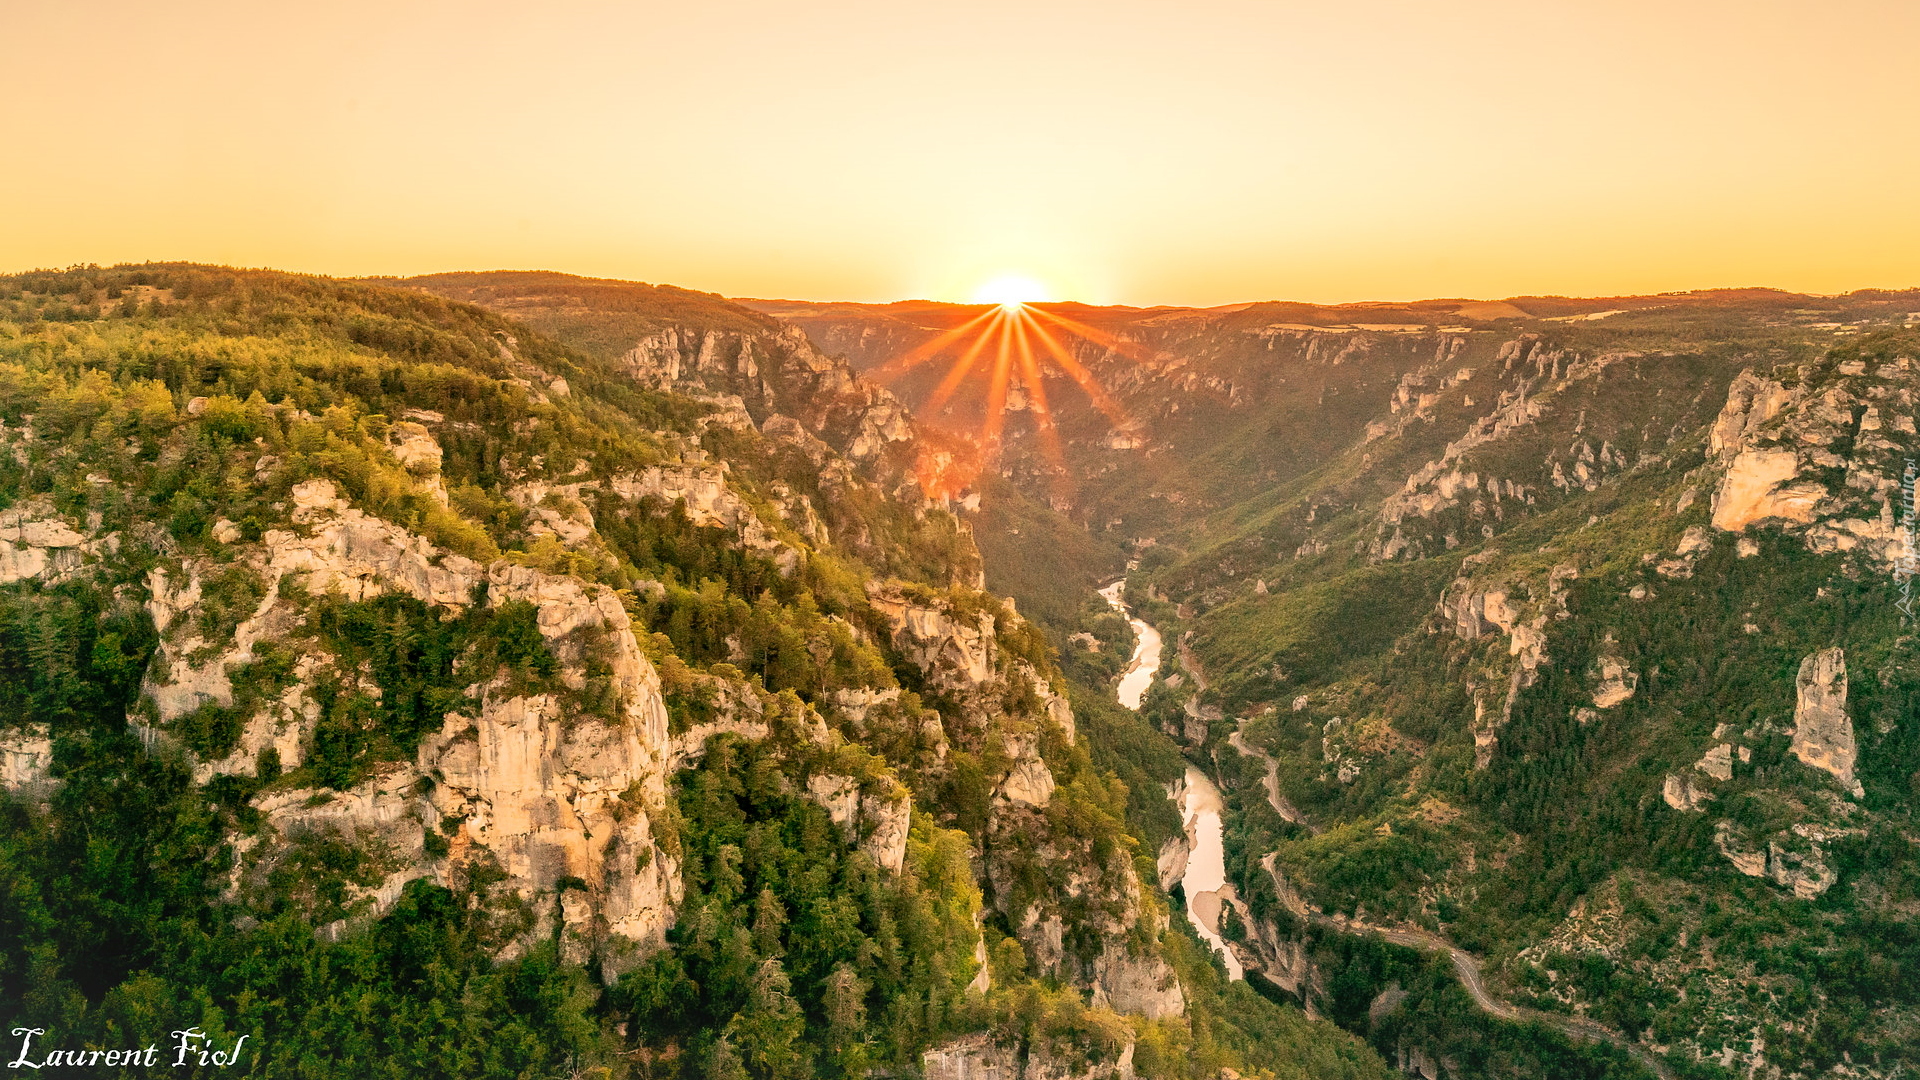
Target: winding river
1146, 649
1205, 876
1206, 870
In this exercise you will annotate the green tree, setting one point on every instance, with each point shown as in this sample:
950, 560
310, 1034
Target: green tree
845, 1002
769, 1029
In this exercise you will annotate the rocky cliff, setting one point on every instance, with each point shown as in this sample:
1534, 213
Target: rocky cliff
662, 662
1571, 628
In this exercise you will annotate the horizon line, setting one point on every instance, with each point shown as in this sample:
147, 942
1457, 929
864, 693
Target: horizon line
1223, 307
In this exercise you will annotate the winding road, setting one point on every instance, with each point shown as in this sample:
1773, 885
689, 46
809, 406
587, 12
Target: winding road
1465, 965
1271, 781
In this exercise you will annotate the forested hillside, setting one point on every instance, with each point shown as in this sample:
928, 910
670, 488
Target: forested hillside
408, 693
1564, 631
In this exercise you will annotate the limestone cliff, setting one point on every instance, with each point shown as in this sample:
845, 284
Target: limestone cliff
1821, 458
1009, 710
561, 801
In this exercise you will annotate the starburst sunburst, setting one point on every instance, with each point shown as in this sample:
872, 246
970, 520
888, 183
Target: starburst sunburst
1021, 343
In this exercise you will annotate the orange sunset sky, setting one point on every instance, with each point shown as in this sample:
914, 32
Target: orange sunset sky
1118, 152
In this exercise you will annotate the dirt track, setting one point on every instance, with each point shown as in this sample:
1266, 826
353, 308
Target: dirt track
1468, 968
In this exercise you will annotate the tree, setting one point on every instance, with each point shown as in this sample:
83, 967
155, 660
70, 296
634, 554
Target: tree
769, 918
845, 1002
769, 1029
723, 1062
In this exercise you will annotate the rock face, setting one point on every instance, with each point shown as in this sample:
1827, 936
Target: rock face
960, 655
1681, 793
956, 651
1822, 731
876, 823
1751, 402
700, 490
1755, 489
1171, 865
1472, 610
1717, 762
1141, 984
36, 543
1617, 683
1746, 860
361, 556
26, 759
1029, 782
1805, 872
975, 1057
559, 799
1778, 448
1793, 862
415, 448
978, 1057
779, 371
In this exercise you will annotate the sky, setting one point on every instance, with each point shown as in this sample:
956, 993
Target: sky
1121, 151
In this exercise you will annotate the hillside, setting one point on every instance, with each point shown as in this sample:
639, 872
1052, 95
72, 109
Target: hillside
410, 692
1563, 630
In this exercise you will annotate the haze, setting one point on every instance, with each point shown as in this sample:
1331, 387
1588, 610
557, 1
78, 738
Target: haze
1117, 152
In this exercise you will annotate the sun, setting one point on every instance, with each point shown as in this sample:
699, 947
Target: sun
1011, 291
1013, 344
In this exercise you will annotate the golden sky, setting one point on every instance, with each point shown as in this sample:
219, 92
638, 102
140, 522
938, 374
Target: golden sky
1118, 151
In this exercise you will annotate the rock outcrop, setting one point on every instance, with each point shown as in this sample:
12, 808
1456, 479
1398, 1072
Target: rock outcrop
1792, 860
955, 651
1756, 489
1681, 793
26, 759
558, 798
1822, 731
875, 823
1781, 446
700, 490
958, 652
37, 543
980, 1057
418, 452
778, 370
1617, 682
1744, 858
1472, 610
1028, 782
974, 1057
1140, 983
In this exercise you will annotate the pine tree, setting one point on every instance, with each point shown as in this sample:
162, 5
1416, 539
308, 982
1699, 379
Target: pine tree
723, 1062
769, 918
770, 1028
845, 1001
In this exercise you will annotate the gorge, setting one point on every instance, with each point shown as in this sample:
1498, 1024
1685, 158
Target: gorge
1198, 853
623, 672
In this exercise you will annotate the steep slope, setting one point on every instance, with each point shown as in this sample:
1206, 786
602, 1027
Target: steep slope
403, 691
1568, 631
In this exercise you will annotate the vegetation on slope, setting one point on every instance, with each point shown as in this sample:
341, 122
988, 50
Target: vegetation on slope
175, 408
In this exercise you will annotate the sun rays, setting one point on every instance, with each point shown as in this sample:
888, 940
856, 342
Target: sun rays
1015, 344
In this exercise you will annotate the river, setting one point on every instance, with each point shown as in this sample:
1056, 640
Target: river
1206, 871
1146, 649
